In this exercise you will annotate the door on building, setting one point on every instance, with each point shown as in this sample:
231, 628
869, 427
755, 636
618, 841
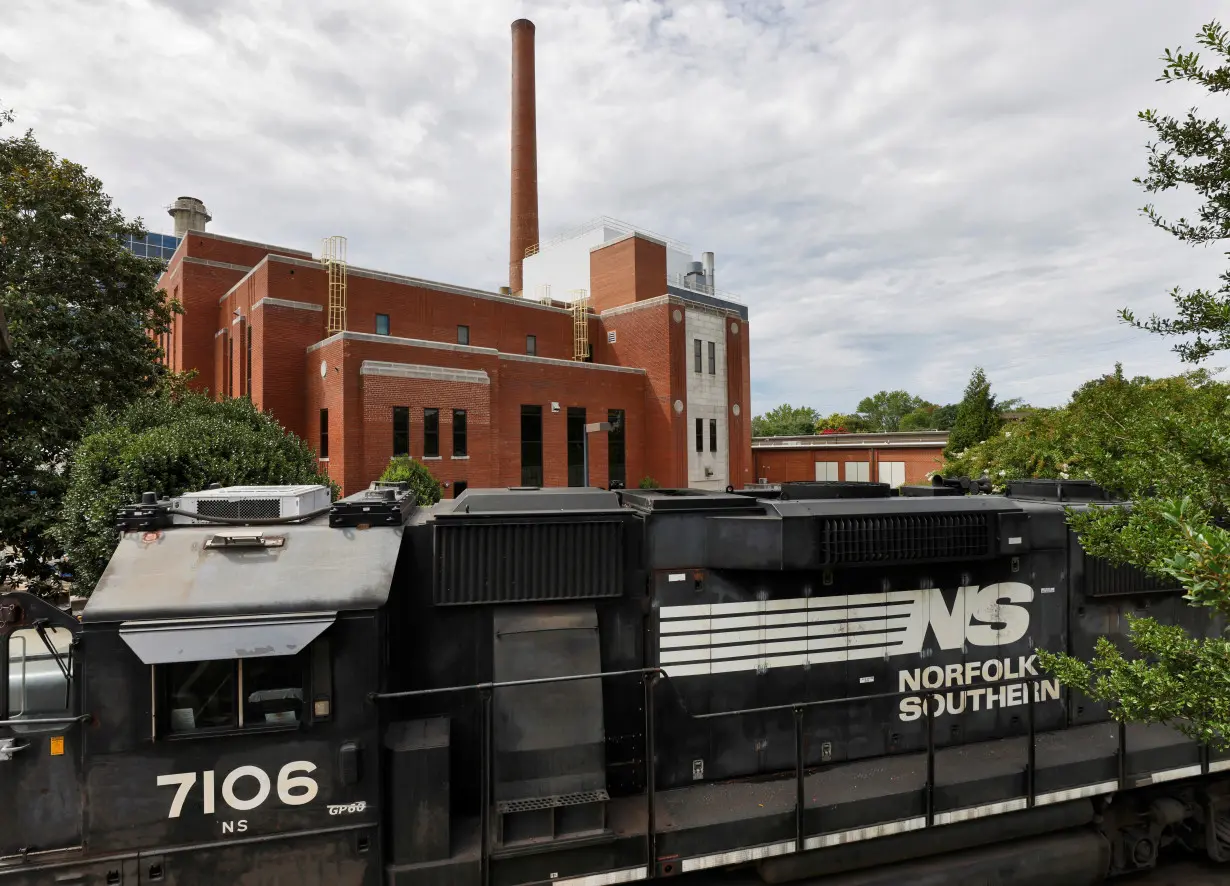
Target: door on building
892, 472
576, 447
826, 470
858, 471
40, 745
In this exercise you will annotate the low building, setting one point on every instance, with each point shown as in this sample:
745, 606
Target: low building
895, 458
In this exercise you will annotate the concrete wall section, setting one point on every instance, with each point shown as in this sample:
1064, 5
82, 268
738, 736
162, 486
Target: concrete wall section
707, 400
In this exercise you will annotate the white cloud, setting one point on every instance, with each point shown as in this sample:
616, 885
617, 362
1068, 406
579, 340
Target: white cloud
898, 190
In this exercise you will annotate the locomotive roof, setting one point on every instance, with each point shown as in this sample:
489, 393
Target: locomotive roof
175, 574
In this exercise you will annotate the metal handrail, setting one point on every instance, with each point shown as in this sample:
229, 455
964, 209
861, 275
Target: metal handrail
48, 721
681, 280
650, 677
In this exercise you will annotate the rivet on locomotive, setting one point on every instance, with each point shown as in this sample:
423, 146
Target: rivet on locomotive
830, 682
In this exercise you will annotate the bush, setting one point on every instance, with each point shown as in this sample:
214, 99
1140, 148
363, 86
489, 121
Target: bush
649, 483
170, 444
427, 489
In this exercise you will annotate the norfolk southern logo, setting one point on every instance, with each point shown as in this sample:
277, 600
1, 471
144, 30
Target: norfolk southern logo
761, 634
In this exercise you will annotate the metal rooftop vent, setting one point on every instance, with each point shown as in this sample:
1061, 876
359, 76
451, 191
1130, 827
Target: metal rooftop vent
251, 502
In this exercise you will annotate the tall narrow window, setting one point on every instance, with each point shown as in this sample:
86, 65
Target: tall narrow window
382, 324
230, 365
712, 358
696, 353
401, 430
459, 433
576, 447
700, 435
226, 366
463, 335
323, 450
431, 433
531, 345
531, 445
249, 375
713, 435
616, 467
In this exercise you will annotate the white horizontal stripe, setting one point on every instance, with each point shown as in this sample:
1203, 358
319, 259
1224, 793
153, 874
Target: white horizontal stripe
1168, 775
868, 833
626, 875
737, 856
1089, 790
672, 640
879, 641
972, 812
685, 611
836, 617
1219, 765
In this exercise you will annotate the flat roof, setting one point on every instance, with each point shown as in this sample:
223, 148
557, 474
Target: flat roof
902, 439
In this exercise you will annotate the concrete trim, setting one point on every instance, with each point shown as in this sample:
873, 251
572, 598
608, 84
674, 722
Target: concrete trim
241, 281
418, 370
241, 242
622, 237
761, 447
636, 306
671, 299
352, 270
405, 342
552, 361
210, 263
238, 319
219, 332
286, 303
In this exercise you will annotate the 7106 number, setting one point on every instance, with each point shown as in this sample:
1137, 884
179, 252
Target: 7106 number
293, 789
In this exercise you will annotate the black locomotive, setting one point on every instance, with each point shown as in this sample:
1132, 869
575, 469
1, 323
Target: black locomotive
589, 687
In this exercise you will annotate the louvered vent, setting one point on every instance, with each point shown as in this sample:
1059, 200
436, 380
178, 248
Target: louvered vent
528, 562
911, 538
1103, 579
241, 509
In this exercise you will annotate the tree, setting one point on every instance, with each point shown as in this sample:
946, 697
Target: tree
169, 443
1194, 152
920, 419
785, 421
945, 417
977, 416
80, 310
885, 410
843, 424
427, 489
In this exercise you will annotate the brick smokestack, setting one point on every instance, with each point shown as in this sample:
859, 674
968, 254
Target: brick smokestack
523, 229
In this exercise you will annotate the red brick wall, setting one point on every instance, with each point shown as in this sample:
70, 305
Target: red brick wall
200, 287
779, 466
278, 353
326, 393
627, 271
210, 246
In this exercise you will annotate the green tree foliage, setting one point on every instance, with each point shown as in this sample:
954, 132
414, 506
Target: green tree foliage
78, 308
884, 411
1193, 152
842, 423
402, 469
169, 443
978, 415
785, 421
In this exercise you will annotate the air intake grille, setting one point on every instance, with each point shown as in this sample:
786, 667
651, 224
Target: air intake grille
910, 538
1103, 579
528, 562
242, 509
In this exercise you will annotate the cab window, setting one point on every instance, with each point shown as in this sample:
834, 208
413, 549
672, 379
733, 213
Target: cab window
40, 673
222, 695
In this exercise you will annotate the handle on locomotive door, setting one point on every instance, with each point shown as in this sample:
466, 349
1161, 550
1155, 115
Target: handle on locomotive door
8, 747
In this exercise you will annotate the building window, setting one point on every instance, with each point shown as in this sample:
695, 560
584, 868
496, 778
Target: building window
616, 466
531, 345
459, 486
576, 447
713, 435
382, 324
892, 472
249, 375
226, 367
826, 471
531, 445
463, 335
459, 433
858, 471
712, 358
401, 431
700, 435
431, 433
324, 434
696, 352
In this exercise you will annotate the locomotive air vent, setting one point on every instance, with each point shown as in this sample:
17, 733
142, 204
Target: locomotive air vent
252, 502
1104, 579
912, 537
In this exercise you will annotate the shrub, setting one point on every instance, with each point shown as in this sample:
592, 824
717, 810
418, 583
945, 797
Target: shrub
649, 483
427, 489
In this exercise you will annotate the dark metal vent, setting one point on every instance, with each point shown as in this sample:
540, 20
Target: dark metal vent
1103, 579
239, 509
521, 562
912, 537
535, 804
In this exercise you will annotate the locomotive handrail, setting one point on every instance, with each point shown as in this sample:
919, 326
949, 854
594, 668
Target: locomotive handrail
48, 721
487, 687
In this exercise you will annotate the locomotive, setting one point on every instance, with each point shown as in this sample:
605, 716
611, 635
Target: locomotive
830, 683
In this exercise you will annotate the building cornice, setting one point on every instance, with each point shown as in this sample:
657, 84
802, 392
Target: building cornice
418, 370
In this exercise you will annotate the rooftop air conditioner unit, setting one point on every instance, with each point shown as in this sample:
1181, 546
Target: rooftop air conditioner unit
251, 503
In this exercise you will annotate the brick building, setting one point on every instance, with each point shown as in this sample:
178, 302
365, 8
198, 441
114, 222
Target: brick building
894, 458
487, 388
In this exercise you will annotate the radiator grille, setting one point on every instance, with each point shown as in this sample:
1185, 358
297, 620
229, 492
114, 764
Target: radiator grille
1104, 579
528, 562
905, 538
239, 509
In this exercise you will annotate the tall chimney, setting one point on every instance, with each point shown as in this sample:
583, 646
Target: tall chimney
523, 228
190, 214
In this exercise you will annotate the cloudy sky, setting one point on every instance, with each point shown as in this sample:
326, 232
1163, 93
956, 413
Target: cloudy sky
898, 189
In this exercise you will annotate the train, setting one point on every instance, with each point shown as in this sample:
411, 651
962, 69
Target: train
829, 683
